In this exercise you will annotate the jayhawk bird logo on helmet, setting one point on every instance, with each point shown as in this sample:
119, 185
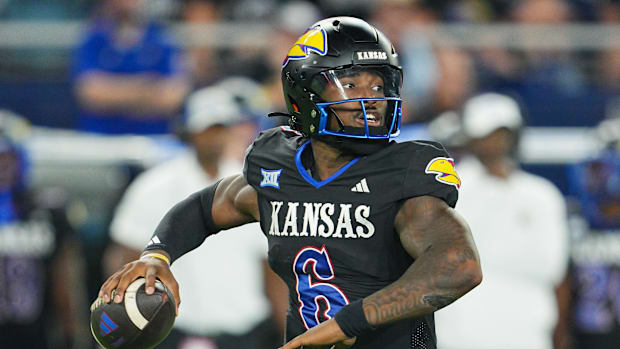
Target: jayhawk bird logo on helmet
313, 40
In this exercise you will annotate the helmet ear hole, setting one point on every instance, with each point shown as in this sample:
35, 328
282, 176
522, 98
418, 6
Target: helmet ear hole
336, 25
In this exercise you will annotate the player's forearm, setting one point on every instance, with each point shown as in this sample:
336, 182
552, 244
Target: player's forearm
166, 96
137, 94
111, 92
446, 263
437, 278
186, 225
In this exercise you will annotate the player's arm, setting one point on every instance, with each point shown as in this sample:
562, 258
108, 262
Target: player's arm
446, 267
226, 204
140, 94
446, 263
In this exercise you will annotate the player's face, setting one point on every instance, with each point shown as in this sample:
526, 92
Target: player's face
210, 143
359, 85
498, 143
126, 9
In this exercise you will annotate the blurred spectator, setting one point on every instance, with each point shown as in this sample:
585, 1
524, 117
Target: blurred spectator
417, 56
595, 272
48, 10
203, 60
457, 81
236, 313
473, 11
355, 8
42, 296
553, 67
440, 79
549, 81
519, 223
289, 20
254, 105
585, 10
246, 58
608, 64
252, 11
553, 86
128, 73
608, 10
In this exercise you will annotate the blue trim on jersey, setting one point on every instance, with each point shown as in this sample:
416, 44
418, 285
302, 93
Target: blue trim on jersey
304, 173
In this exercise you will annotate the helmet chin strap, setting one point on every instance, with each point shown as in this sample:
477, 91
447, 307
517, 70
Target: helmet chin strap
354, 146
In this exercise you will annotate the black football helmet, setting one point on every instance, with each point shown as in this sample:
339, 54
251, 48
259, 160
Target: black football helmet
342, 82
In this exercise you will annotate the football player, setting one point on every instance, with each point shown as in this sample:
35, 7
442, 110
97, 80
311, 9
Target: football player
40, 254
361, 228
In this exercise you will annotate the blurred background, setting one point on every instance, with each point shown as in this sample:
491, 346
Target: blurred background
92, 94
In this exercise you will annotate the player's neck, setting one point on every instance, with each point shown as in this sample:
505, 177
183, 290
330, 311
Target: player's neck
209, 166
328, 159
501, 167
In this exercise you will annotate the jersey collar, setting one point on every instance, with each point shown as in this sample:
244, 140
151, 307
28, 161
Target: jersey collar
306, 175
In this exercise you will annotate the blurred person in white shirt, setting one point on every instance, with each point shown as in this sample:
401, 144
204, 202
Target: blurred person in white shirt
231, 308
519, 223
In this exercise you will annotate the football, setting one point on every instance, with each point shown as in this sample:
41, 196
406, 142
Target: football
141, 321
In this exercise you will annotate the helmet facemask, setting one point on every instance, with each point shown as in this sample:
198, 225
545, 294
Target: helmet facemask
359, 102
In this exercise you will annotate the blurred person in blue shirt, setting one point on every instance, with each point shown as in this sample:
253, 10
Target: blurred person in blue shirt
552, 82
441, 77
41, 299
595, 257
129, 75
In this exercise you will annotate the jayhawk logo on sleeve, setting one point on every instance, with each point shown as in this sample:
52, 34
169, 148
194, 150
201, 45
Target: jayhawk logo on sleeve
444, 168
313, 40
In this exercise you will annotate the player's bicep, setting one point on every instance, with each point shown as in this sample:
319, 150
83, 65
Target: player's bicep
235, 203
426, 223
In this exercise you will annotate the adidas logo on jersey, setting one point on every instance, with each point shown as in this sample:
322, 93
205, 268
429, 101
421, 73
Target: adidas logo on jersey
361, 187
154, 240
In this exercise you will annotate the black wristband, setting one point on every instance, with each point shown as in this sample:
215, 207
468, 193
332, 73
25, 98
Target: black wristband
352, 320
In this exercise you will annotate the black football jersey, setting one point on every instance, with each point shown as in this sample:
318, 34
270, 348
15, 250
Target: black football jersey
333, 241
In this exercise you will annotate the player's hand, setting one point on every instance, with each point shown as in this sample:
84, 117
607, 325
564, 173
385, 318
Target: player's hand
327, 332
150, 269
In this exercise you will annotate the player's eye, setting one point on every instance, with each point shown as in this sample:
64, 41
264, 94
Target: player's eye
377, 88
348, 85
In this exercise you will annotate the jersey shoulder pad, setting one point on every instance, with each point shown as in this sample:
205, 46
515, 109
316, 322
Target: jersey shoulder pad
430, 172
273, 136
273, 149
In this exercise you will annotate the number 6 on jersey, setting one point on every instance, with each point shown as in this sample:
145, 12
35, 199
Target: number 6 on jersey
309, 293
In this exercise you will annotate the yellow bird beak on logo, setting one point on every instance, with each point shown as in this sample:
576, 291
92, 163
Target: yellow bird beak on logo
313, 40
444, 168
